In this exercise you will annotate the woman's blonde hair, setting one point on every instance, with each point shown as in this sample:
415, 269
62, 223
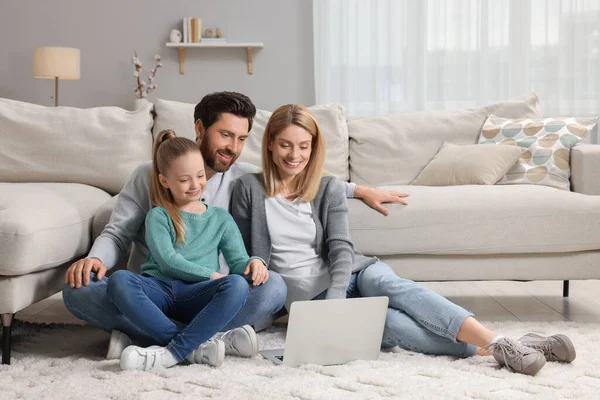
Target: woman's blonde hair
308, 181
168, 147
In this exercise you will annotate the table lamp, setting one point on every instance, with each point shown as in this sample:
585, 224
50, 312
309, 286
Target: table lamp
56, 63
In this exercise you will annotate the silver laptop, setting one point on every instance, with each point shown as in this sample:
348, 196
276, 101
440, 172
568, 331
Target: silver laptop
329, 332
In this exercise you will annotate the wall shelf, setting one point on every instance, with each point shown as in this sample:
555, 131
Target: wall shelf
247, 45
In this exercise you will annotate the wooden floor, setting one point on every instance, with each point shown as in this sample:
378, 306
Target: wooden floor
490, 301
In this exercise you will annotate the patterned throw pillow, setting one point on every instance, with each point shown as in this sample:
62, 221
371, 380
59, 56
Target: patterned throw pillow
548, 142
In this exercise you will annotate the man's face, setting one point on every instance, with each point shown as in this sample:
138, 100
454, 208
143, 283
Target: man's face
222, 143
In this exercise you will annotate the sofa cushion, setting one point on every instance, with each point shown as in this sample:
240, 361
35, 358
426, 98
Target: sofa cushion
479, 219
471, 164
331, 118
43, 225
393, 149
174, 115
547, 145
97, 146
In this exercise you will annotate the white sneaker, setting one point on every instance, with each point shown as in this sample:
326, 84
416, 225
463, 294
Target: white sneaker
145, 359
211, 352
241, 342
118, 342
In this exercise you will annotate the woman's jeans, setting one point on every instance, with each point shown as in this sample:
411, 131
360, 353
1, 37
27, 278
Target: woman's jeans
206, 307
418, 319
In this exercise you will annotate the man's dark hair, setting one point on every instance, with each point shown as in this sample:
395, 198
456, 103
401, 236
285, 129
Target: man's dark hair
211, 107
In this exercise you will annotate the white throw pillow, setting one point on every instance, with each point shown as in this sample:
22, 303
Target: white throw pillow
97, 146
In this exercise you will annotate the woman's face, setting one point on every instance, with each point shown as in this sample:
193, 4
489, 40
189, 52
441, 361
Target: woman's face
291, 150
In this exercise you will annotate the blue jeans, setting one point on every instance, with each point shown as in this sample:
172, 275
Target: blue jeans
418, 319
205, 307
92, 304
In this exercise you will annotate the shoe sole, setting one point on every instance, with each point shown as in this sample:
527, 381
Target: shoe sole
129, 364
254, 339
565, 341
220, 355
115, 338
569, 346
535, 367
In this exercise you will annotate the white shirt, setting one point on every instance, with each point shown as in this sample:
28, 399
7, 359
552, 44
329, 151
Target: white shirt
219, 189
293, 248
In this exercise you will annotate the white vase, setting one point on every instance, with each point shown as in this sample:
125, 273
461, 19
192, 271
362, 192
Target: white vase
139, 103
175, 36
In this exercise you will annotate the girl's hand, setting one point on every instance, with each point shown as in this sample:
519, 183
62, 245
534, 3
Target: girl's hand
260, 273
216, 275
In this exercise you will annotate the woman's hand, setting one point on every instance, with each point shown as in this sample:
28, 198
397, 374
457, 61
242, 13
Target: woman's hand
260, 273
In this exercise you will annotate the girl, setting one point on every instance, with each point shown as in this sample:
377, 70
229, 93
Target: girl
180, 278
296, 220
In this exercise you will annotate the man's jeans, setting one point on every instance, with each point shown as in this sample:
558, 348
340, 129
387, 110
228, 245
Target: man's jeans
418, 319
92, 304
205, 307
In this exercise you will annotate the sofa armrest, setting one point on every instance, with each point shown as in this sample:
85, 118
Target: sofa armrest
585, 169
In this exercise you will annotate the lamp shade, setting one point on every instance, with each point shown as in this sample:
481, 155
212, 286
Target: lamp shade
56, 62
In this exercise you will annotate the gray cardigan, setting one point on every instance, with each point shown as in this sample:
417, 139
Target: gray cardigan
330, 214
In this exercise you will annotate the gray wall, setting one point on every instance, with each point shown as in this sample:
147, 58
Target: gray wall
109, 31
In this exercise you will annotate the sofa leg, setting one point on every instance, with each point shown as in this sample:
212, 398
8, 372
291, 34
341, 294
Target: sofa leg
565, 288
7, 320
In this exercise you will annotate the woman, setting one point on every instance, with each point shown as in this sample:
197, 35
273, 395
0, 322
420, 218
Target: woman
295, 219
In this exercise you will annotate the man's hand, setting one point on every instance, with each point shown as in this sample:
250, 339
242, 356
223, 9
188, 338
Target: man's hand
260, 273
79, 272
376, 197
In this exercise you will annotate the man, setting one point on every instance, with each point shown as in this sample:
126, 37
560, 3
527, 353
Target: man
222, 123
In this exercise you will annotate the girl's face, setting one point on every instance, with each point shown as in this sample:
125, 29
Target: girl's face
291, 150
185, 178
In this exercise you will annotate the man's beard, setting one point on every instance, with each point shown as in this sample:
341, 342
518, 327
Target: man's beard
210, 158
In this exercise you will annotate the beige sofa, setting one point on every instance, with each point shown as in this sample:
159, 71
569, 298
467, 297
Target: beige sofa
61, 167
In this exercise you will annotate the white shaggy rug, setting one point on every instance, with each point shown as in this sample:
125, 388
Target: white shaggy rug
66, 362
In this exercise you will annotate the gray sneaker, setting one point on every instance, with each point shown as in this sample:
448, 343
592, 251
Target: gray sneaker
516, 357
211, 352
555, 348
118, 342
241, 342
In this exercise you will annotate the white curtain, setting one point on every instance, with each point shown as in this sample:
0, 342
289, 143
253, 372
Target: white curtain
387, 56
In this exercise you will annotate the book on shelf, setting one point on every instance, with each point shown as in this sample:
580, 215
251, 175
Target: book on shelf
185, 30
189, 24
196, 30
192, 29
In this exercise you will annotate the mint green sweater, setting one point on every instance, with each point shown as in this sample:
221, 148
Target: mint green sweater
197, 258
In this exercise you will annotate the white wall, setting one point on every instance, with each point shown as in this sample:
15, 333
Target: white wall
109, 31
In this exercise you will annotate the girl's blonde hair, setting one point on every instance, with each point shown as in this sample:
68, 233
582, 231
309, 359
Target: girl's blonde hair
168, 147
308, 181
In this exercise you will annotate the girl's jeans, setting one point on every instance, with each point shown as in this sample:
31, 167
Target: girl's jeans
150, 303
